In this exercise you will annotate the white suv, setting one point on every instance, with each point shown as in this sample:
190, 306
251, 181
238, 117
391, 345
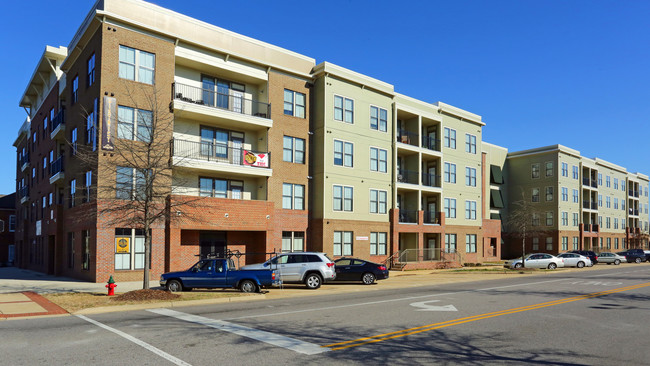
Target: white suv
310, 268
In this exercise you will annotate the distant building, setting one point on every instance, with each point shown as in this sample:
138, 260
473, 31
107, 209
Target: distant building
7, 229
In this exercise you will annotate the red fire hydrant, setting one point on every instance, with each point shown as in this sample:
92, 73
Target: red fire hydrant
111, 286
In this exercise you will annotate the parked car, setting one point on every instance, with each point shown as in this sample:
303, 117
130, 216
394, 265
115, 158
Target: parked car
610, 258
575, 260
310, 268
536, 260
634, 255
353, 269
587, 253
218, 273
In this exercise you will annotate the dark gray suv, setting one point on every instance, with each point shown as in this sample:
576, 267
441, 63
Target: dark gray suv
310, 268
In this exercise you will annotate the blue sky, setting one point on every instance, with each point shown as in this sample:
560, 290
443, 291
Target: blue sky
540, 73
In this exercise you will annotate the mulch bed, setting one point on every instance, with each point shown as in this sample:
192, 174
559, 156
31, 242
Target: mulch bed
144, 295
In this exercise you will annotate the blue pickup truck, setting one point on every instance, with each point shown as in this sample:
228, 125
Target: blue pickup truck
218, 273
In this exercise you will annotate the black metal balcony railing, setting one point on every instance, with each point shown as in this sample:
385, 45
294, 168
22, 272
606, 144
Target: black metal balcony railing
594, 183
431, 217
430, 143
430, 180
23, 192
594, 205
407, 176
407, 137
633, 212
23, 160
408, 216
58, 120
586, 204
585, 181
220, 152
633, 193
56, 166
212, 98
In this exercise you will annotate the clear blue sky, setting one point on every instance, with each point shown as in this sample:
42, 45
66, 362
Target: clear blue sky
575, 73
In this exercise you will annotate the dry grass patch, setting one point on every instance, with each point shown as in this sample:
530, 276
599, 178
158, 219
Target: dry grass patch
83, 300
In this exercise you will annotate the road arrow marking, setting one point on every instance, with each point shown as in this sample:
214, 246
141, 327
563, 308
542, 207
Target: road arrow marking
424, 306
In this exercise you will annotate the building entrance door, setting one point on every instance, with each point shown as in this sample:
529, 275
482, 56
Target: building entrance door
212, 243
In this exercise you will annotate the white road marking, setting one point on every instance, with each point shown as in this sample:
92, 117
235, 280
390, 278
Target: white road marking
140, 343
292, 344
596, 283
424, 306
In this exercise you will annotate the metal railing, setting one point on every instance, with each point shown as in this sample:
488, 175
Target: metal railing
633, 193
430, 180
59, 119
594, 183
23, 192
431, 217
56, 166
407, 137
407, 176
23, 160
408, 216
215, 99
220, 152
430, 143
590, 205
585, 181
428, 255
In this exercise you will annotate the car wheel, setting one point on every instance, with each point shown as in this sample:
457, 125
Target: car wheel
617, 262
174, 286
247, 286
580, 264
637, 260
517, 265
552, 266
368, 278
313, 281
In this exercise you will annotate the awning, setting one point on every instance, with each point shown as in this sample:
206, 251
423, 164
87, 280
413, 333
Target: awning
496, 176
496, 201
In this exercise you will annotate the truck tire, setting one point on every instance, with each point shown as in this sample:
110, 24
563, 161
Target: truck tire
313, 281
174, 286
247, 286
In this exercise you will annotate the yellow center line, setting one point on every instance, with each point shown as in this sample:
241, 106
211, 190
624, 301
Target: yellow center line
448, 323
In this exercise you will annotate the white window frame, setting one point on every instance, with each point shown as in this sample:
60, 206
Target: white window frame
345, 156
345, 112
449, 138
295, 107
343, 199
378, 118
343, 245
133, 126
470, 243
470, 176
449, 173
378, 243
470, 210
293, 150
377, 161
450, 208
378, 206
470, 143
136, 65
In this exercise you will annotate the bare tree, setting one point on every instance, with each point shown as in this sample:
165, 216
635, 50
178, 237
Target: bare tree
134, 164
519, 222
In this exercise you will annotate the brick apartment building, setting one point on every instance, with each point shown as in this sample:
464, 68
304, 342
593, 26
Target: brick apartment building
276, 153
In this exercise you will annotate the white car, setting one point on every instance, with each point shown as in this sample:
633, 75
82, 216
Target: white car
537, 260
575, 260
610, 258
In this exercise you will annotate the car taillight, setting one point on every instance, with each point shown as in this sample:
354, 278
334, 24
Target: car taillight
382, 268
273, 275
330, 264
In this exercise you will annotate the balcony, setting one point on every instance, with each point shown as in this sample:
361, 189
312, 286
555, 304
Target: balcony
431, 180
586, 181
590, 205
407, 176
633, 193
407, 137
23, 162
56, 170
594, 183
23, 193
408, 216
220, 157
195, 102
57, 126
633, 212
430, 143
432, 218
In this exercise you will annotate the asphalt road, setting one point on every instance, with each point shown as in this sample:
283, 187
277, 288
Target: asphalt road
567, 318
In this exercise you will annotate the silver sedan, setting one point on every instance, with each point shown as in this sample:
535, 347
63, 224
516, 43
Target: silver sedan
609, 258
575, 260
537, 260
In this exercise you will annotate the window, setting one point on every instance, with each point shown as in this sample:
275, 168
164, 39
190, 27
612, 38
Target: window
600, 221
450, 208
549, 243
470, 143
575, 172
535, 220
212, 187
450, 173
450, 243
137, 65
214, 142
565, 169
534, 171
342, 243
470, 243
85, 250
470, 210
615, 183
535, 195
600, 200
129, 249
44, 167
600, 179
12, 223
609, 243
88, 182
91, 122
565, 194
378, 243
71, 250
130, 183
294, 103
608, 202
549, 218
293, 196
535, 243
134, 124
576, 220
575, 243
378, 119
343, 198
549, 194
75, 89
608, 223
293, 241
73, 191
91, 70
343, 152
73, 141
450, 138
615, 203
607, 181
470, 177
378, 201
622, 224
565, 218
565, 243
615, 223
549, 168
293, 150
343, 109
378, 160
575, 196
615, 243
